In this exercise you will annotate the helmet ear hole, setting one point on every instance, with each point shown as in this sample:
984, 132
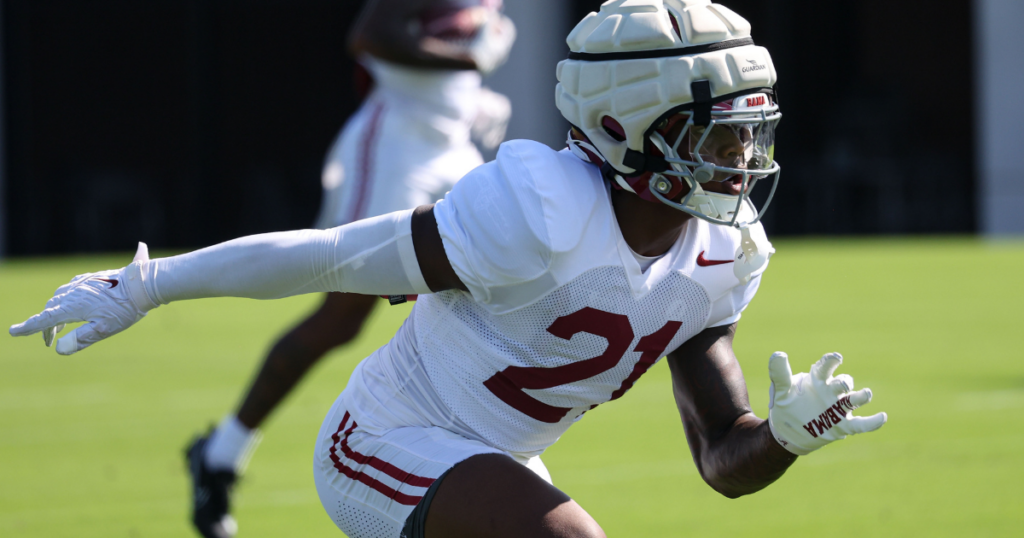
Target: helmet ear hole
613, 128
675, 24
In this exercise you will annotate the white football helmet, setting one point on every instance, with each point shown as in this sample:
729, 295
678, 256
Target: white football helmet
669, 94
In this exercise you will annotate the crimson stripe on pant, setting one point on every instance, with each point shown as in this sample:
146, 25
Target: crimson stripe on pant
377, 463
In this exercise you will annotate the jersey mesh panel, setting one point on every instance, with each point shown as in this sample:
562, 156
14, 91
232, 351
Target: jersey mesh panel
462, 345
357, 523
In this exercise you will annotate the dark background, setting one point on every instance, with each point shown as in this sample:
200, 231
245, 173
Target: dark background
189, 122
180, 122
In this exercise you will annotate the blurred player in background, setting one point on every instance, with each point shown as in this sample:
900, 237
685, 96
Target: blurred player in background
553, 281
406, 146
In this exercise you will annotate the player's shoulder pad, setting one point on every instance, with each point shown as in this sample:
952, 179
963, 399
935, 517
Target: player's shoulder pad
558, 188
505, 223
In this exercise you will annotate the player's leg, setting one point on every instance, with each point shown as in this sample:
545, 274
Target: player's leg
377, 477
215, 461
493, 496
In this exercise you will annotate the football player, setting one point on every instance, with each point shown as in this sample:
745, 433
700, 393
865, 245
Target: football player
406, 146
553, 281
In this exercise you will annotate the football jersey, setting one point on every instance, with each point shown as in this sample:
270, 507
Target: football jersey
559, 316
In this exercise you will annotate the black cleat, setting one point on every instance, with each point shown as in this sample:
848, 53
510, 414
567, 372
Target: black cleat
211, 494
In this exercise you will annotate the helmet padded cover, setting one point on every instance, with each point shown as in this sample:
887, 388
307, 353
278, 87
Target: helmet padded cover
636, 92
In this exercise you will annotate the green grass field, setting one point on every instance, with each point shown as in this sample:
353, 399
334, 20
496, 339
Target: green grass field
91, 445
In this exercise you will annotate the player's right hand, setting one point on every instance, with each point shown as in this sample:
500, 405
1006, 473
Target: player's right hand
108, 302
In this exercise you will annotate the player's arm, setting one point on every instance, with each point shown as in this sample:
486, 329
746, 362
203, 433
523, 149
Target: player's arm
733, 449
433, 260
388, 29
398, 253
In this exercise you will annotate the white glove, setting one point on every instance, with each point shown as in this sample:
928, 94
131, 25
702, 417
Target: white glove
809, 411
108, 302
493, 42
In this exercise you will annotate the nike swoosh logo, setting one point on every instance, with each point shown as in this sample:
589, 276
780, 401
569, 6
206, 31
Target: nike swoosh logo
704, 262
113, 283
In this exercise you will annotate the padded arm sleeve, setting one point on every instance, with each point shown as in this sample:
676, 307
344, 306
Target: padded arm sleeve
373, 256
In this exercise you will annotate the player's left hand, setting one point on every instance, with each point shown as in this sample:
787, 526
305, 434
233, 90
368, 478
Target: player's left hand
108, 302
810, 410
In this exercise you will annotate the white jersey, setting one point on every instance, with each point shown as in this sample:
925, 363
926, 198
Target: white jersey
409, 142
559, 317
439, 104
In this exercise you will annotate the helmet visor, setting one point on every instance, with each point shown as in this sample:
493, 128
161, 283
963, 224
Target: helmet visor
740, 138
720, 163
746, 146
